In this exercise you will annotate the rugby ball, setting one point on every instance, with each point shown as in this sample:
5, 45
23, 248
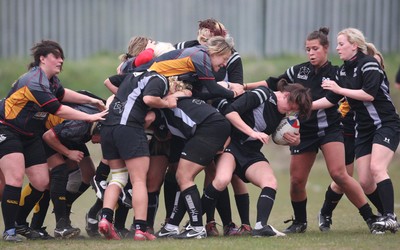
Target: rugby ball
287, 124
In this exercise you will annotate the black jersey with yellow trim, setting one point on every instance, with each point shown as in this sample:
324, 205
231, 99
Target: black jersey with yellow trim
233, 72
32, 97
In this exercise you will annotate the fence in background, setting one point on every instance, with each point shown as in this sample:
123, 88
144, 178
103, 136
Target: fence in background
259, 27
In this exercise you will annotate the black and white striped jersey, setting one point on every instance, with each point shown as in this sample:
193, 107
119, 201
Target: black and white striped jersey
305, 73
183, 120
364, 72
258, 108
127, 107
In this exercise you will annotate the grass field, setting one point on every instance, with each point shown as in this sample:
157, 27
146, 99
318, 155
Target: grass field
349, 231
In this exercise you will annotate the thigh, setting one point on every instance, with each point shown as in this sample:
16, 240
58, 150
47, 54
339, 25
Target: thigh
13, 167
301, 164
261, 175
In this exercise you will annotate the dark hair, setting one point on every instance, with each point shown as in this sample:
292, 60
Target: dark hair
43, 48
321, 35
298, 94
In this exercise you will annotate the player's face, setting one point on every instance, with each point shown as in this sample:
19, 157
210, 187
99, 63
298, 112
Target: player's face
219, 61
284, 106
317, 54
345, 49
51, 64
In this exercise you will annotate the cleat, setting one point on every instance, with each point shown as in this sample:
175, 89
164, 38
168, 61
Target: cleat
244, 230
123, 233
296, 227
167, 233
27, 232
141, 236
126, 197
106, 228
229, 230
99, 187
92, 227
11, 236
324, 222
267, 231
372, 220
44, 235
386, 223
64, 230
190, 233
211, 229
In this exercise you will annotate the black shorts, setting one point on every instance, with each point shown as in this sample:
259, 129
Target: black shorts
313, 144
159, 147
176, 146
123, 142
244, 157
349, 148
209, 138
385, 136
31, 147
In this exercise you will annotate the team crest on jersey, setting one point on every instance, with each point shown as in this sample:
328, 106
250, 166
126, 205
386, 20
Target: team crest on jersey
40, 115
119, 107
325, 78
303, 73
2, 137
355, 72
342, 72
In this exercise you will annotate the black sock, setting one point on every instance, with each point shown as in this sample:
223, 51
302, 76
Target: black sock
10, 205
365, 211
209, 200
300, 211
120, 216
140, 224
170, 189
58, 189
152, 208
191, 197
179, 210
102, 172
243, 207
376, 200
71, 197
224, 207
40, 211
108, 214
27, 203
264, 204
386, 194
95, 209
331, 201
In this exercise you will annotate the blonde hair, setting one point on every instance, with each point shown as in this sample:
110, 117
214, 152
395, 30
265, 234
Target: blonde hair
373, 51
162, 47
136, 45
219, 45
177, 85
355, 36
209, 28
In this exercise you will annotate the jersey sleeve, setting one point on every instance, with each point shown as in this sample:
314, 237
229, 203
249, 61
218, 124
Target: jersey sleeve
372, 77
249, 101
116, 80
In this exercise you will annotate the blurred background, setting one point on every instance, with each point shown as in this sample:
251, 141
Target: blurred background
259, 27
268, 34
